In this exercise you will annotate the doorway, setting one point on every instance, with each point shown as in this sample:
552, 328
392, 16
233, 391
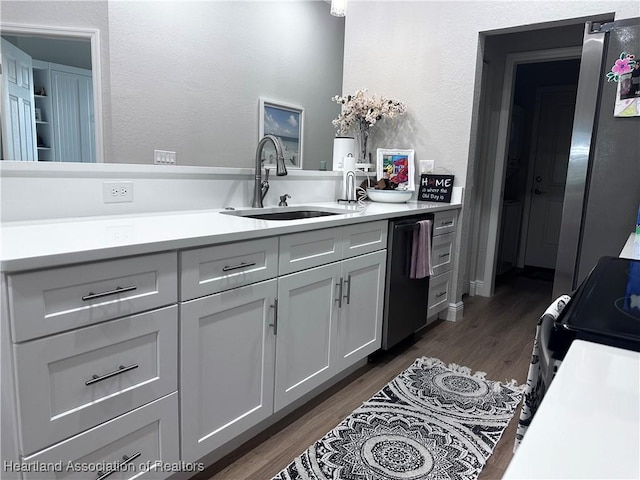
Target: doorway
536, 165
498, 219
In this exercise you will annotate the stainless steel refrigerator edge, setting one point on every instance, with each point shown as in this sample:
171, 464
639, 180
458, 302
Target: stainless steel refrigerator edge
602, 191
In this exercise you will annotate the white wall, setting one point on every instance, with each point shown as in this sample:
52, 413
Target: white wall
188, 76
426, 54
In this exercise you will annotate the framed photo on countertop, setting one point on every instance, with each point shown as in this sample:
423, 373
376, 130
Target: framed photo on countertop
286, 122
396, 165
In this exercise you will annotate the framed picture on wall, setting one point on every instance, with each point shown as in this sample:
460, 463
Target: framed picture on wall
38, 114
286, 122
397, 166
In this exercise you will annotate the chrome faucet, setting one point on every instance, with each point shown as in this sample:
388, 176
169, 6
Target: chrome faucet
260, 187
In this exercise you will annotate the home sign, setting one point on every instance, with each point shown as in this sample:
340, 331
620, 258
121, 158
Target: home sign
435, 188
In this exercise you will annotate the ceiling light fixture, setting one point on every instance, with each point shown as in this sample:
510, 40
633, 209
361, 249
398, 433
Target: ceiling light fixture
338, 8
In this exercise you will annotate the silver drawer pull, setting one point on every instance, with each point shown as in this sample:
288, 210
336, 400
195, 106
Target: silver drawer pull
444, 255
125, 460
117, 290
228, 268
121, 369
339, 299
446, 224
438, 295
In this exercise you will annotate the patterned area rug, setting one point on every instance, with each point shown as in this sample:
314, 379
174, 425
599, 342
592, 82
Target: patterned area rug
430, 422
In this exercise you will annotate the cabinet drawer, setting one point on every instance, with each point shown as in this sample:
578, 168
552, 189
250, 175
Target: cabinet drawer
133, 358
445, 222
146, 435
438, 293
58, 299
223, 267
442, 252
364, 238
300, 251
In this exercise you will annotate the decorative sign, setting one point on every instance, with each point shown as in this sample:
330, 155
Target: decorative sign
435, 188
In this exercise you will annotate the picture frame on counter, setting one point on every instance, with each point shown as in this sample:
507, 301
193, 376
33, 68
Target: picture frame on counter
396, 165
285, 121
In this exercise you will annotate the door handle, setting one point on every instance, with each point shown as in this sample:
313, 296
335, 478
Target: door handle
275, 316
339, 299
537, 191
348, 295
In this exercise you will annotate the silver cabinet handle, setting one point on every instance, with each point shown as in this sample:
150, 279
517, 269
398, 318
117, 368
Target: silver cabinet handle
117, 290
444, 255
446, 224
125, 460
121, 369
348, 295
228, 268
275, 316
339, 299
438, 295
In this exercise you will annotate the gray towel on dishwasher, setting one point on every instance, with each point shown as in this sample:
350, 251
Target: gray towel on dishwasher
421, 251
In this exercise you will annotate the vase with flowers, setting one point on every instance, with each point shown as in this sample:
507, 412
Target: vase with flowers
360, 112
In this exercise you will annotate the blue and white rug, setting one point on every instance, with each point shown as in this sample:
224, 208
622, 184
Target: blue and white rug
431, 422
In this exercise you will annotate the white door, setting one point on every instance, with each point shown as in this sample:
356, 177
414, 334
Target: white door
360, 321
19, 122
554, 121
72, 94
227, 350
307, 328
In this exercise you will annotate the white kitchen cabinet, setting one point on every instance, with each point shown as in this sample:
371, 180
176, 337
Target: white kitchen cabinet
227, 365
44, 302
442, 257
360, 320
223, 267
128, 444
76, 380
94, 347
306, 332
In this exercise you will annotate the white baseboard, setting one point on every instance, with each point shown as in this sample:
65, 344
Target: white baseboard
475, 286
453, 313
478, 287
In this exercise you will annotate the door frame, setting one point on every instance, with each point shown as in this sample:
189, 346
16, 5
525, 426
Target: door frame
486, 284
69, 33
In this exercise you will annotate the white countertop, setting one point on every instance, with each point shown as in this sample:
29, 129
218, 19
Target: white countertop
588, 425
632, 247
31, 245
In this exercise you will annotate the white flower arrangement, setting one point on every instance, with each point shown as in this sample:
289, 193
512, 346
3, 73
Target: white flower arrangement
362, 111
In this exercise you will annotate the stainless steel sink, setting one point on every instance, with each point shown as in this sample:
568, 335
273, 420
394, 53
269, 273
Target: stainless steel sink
283, 213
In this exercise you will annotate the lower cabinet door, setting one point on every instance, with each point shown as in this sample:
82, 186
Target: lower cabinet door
360, 323
307, 328
140, 444
226, 369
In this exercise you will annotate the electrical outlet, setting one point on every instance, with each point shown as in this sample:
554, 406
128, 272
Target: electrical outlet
164, 157
117, 192
427, 166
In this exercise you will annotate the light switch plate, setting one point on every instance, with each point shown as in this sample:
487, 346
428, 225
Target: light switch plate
164, 157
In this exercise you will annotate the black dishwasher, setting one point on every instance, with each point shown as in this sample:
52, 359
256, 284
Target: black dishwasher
405, 299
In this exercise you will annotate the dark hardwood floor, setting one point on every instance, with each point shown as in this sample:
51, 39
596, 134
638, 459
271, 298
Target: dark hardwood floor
495, 336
